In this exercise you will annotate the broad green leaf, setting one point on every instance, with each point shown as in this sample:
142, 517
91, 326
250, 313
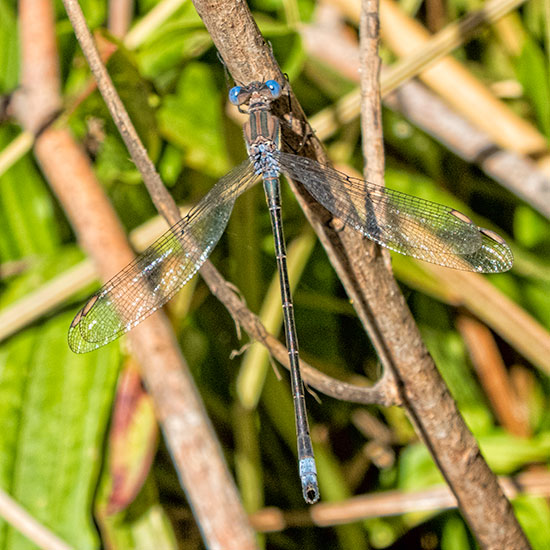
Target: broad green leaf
537, 297
9, 48
506, 453
533, 513
170, 165
134, 92
454, 535
113, 161
54, 411
192, 119
182, 38
94, 12
530, 228
416, 468
27, 216
449, 353
533, 73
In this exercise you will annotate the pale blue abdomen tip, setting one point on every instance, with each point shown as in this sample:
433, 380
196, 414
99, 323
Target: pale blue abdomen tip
308, 475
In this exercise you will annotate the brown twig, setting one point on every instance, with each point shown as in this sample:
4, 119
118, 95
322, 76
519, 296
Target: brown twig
379, 304
371, 104
34, 105
486, 358
389, 503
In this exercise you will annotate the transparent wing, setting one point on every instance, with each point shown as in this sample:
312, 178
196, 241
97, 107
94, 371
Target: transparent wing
409, 225
161, 270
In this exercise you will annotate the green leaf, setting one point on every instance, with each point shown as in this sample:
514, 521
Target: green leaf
180, 39
143, 526
506, 453
534, 516
532, 70
54, 410
449, 353
530, 228
454, 535
192, 120
417, 469
134, 92
113, 162
27, 216
503, 452
9, 48
95, 12
171, 165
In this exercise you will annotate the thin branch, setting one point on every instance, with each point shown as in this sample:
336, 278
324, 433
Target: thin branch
371, 103
373, 149
36, 104
389, 503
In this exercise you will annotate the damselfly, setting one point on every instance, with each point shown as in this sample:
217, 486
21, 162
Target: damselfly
400, 222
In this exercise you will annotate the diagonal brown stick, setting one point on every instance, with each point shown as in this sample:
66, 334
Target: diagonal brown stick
382, 310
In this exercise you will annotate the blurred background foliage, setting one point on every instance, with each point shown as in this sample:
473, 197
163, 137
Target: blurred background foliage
57, 457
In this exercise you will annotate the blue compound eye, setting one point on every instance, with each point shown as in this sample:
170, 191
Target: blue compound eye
234, 95
274, 87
